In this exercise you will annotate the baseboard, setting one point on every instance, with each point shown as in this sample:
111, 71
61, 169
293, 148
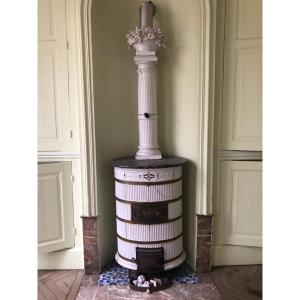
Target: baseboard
59, 260
236, 255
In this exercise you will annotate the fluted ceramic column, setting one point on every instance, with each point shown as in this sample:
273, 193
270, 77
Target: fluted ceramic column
146, 40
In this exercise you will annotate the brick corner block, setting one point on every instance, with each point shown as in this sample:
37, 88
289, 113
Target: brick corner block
204, 234
90, 245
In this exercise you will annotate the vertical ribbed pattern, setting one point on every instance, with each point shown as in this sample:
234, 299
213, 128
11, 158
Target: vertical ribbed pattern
173, 249
120, 190
121, 228
147, 91
147, 103
123, 210
155, 232
151, 193
126, 249
137, 232
165, 231
175, 209
148, 133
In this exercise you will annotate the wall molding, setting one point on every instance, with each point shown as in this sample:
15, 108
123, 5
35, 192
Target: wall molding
86, 111
234, 154
51, 155
206, 106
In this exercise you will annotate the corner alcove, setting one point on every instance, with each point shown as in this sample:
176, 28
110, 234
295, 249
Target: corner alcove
115, 102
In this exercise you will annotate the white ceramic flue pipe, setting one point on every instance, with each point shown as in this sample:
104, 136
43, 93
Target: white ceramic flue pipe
146, 40
147, 10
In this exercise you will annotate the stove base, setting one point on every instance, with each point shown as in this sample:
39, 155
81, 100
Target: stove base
168, 266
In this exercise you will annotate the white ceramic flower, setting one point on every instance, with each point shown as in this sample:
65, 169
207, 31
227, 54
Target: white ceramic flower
138, 35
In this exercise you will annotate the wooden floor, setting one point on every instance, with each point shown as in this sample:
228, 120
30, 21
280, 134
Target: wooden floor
238, 282
232, 282
61, 285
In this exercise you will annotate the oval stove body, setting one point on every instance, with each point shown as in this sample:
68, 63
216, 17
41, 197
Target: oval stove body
149, 210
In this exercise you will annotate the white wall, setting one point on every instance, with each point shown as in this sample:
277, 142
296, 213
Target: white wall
115, 88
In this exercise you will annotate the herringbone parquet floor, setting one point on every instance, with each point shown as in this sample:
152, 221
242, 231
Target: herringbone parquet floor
232, 283
59, 285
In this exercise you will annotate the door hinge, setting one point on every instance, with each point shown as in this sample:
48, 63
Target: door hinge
67, 45
71, 134
74, 230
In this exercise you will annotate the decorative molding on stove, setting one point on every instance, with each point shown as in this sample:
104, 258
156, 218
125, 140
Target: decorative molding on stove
138, 35
153, 175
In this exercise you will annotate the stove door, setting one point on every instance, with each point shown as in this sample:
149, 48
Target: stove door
149, 260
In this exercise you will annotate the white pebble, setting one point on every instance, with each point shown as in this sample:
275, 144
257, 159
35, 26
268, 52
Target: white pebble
146, 284
158, 281
135, 282
141, 279
153, 282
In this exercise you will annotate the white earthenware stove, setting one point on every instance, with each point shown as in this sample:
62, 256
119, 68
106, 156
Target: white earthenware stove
148, 188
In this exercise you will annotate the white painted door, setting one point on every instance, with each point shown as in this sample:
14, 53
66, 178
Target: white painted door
239, 222
241, 203
55, 207
237, 190
242, 87
53, 98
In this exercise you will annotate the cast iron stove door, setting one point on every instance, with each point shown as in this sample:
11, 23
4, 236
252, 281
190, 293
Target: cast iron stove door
149, 260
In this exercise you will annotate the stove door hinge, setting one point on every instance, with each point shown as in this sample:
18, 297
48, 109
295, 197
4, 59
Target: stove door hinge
67, 44
71, 134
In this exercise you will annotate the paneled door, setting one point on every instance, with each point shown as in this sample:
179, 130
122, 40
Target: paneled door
53, 99
242, 86
239, 236
237, 176
55, 207
241, 203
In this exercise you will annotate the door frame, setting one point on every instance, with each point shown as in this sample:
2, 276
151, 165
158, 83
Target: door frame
81, 30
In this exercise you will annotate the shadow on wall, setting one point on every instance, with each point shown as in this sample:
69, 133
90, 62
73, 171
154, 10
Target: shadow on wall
115, 96
115, 99
171, 60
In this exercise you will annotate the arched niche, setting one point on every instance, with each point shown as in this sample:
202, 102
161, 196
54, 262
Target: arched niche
183, 103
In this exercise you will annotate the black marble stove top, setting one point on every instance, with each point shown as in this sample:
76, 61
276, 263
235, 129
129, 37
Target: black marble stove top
165, 162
